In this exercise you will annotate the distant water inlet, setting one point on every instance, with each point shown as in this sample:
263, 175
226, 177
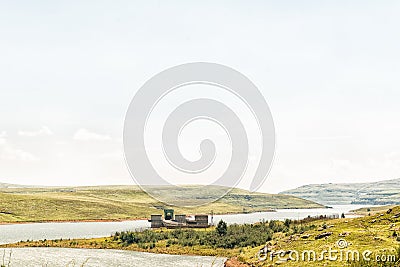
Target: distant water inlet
293, 214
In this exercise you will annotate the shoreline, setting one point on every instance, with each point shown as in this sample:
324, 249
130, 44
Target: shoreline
145, 219
74, 221
115, 220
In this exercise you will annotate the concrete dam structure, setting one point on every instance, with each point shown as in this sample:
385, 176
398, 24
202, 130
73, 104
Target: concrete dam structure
179, 221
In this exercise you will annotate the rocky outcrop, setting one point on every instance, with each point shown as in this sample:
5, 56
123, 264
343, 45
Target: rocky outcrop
234, 262
323, 235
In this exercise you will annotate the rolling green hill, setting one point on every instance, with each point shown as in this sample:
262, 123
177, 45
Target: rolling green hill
123, 203
378, 193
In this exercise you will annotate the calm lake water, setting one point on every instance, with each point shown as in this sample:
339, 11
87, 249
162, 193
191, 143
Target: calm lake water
35, 257
61, 257
282, 214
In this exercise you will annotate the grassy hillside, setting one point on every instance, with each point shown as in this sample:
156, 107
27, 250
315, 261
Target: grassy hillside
377, 234
378, 193
372, 210
121, 203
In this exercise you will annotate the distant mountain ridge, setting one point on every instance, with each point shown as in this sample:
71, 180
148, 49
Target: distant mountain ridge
5, 185
385, 192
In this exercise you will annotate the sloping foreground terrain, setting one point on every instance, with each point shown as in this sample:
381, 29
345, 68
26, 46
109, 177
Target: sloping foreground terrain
367, 241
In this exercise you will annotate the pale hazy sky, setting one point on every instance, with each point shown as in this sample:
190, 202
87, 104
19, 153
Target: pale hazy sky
328, 69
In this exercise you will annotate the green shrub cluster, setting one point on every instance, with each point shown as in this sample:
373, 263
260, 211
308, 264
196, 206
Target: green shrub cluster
224, 236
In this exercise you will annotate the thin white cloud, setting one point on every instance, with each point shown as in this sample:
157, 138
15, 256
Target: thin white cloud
3, 140
116, 155
326, 138
44, 131
393, 155
10, 153
85, 135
